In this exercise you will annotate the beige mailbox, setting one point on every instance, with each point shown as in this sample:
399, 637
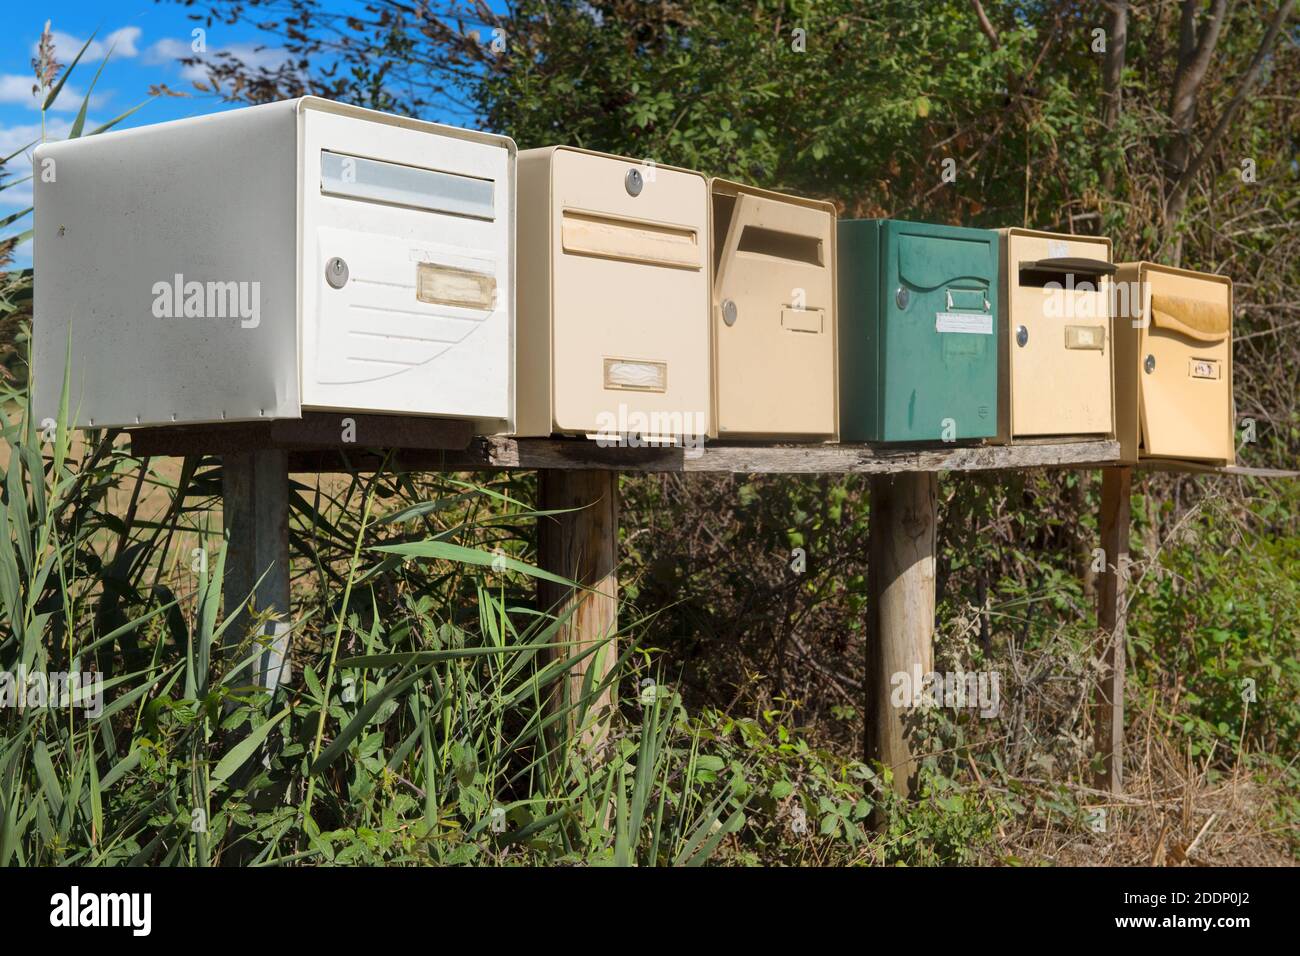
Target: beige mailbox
613, 281
1057, 377
1173, 364
774, 325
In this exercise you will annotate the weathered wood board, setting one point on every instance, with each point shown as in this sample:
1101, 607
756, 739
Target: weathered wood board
487, 454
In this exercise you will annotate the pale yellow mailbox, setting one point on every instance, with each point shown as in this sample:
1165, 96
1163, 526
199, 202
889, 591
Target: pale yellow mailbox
1056, 377
774, 325
613, 298
1173, 364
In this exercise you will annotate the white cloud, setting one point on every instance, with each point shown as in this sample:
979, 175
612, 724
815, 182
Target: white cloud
17, 88
122, 41
16, 137
13, 138
170, 49
17, 197
166, 50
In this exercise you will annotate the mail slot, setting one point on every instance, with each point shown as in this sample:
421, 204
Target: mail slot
253, 264
613, 333
774, 330
1056, 374
918, 331
1173, 364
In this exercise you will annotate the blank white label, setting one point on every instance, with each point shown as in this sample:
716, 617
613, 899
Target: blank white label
970, 323
638, 376
356, 177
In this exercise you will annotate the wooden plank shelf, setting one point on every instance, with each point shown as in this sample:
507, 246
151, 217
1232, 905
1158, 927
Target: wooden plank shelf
316, 443
578, 454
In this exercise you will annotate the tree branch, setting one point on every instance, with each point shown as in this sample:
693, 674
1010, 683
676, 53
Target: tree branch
985, 25
1194, 55
1178, 197
1112, 75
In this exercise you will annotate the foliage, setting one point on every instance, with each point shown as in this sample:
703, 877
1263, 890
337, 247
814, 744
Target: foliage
423, 699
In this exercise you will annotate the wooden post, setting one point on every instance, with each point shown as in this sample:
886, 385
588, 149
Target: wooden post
1116, 486
582, 545
900, 615
255, 513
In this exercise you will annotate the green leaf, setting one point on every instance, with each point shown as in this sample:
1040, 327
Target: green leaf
58, 87
445, 551
242, 751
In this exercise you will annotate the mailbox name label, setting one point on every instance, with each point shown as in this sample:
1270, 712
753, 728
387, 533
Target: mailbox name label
969, 323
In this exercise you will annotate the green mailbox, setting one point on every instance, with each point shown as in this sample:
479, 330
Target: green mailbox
919, 331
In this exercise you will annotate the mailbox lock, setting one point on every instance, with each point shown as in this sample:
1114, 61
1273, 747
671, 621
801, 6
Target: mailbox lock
336, 273
729, 312
634, 182
902, 296
1022, 336
1150, 364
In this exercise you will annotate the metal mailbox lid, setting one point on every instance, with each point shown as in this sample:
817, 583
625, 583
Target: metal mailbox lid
774, 317
166, 265
407, 266
629, 296
1057, 339
938, 332
1185, 404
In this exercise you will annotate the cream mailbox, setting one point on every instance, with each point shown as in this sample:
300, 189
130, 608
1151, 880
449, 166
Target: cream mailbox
775, 361
1057, 376
253, 264
613, 297
1173, 364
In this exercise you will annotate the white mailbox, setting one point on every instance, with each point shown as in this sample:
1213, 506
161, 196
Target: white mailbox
253, 264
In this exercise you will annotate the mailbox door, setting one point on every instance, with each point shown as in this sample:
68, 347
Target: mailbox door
416, 319
940, 326
629, 298
774, 319
1059, 334
1186, 404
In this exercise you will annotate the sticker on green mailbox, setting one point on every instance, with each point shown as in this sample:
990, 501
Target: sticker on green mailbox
971, 323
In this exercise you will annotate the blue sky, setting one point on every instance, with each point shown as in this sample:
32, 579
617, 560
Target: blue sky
147, 37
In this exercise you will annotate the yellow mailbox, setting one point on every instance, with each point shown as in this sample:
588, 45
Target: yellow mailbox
613, 298
775, 365
1173, 364
1056, 374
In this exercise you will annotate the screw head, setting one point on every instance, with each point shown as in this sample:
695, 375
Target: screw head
1022, 336
1149, 364
336, 273
634, 182
729, 312
902, 297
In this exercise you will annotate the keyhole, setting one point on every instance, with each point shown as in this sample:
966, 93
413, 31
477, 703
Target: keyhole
336, 273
